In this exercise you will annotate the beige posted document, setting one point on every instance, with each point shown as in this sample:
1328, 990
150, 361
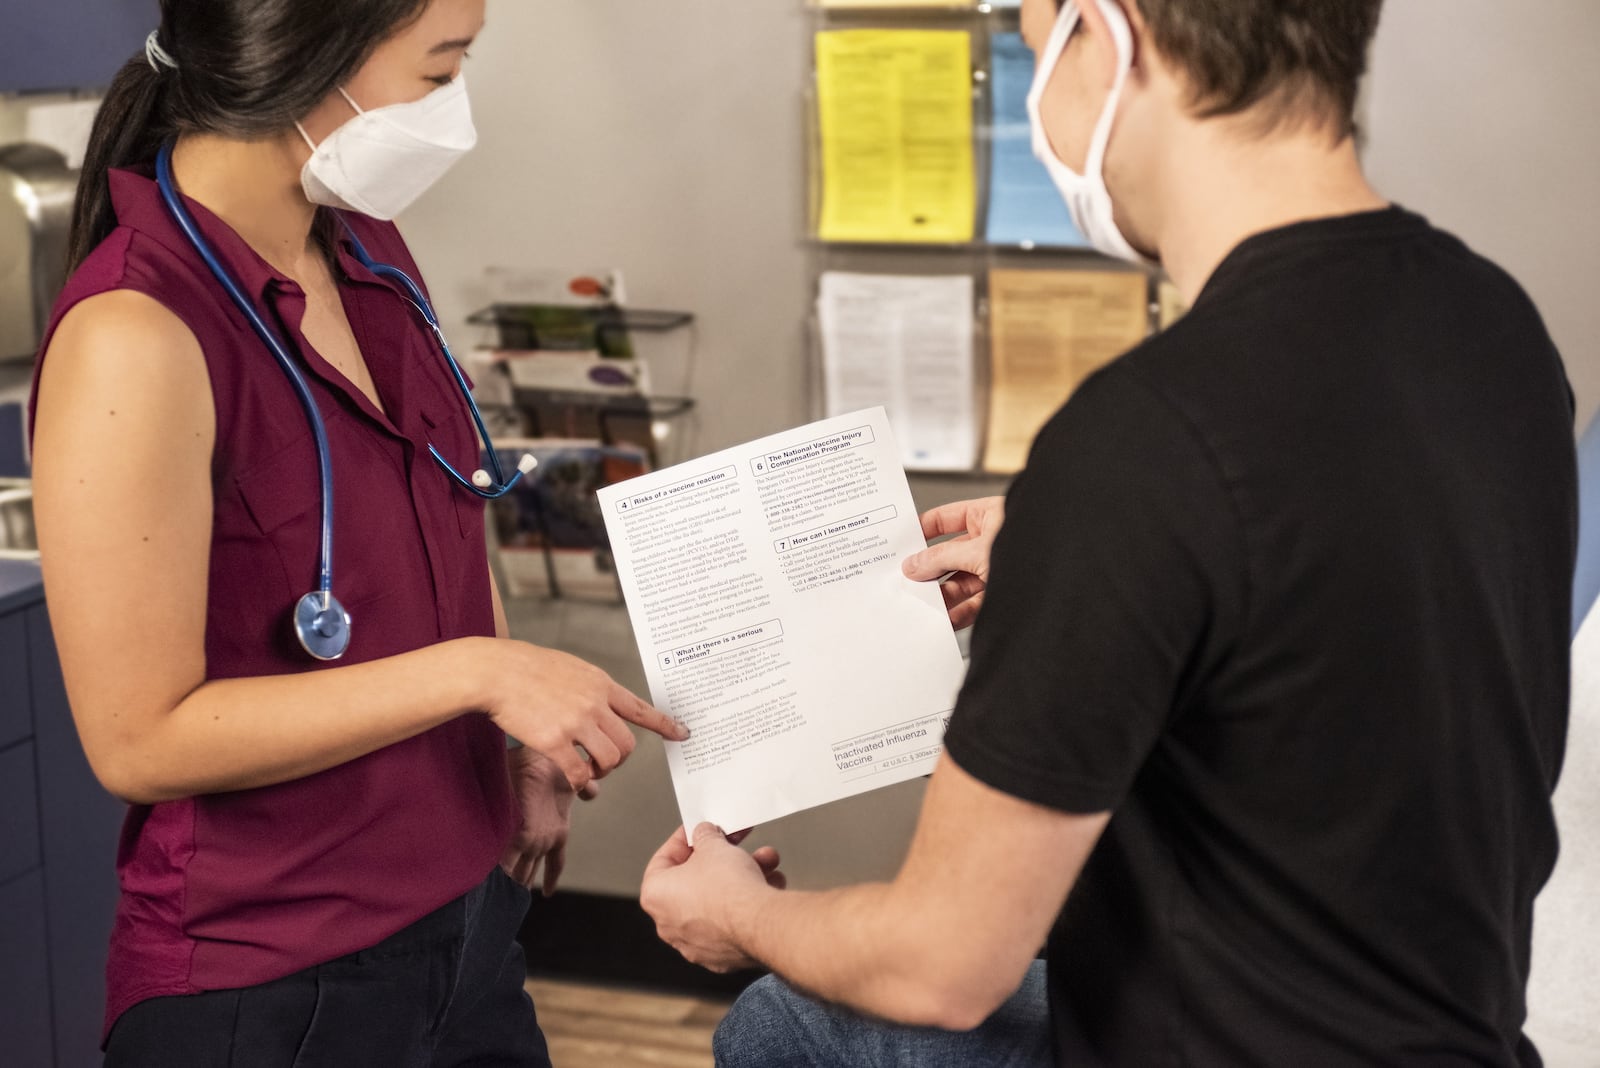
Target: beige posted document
1049, 331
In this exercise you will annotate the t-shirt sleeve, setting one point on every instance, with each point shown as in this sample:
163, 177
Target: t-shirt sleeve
1116, 585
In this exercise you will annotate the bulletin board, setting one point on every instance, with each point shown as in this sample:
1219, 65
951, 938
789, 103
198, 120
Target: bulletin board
951, 285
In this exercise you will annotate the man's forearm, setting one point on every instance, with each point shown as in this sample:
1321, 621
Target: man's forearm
944, 945
866, 947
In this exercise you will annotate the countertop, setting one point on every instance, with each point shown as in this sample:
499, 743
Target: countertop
20, 585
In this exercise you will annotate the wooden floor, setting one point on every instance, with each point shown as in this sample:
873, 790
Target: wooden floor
607, 1027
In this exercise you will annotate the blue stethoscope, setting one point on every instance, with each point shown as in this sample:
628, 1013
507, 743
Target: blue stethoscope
320, 621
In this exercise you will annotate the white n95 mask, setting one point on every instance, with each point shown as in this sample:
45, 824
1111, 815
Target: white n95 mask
1085, 194
382, 160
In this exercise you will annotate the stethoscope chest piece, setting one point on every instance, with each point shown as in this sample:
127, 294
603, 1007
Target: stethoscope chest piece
322, 625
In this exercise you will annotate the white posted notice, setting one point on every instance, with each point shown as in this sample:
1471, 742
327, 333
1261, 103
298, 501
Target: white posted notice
905, 343
765, 591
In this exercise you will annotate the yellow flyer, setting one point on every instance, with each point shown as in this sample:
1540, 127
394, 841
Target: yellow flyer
896, 132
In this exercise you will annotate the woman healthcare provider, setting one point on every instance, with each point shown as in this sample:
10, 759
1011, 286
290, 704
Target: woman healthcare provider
319, 785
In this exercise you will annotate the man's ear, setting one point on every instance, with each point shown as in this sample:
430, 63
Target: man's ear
1102, 46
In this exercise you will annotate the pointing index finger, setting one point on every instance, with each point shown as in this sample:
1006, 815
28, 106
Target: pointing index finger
632, 709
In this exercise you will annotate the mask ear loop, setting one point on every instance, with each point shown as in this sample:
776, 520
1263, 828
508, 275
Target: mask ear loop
1122, 36
1048, 62
1067, 23
348, 99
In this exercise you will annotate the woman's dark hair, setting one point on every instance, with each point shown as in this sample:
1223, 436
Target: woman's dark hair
244, 68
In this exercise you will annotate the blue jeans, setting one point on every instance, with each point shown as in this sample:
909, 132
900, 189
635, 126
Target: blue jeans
772, 1026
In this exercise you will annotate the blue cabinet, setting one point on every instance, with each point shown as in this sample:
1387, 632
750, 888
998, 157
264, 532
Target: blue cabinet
25, 1026
58, 844
71, 44
19, 813
16, 720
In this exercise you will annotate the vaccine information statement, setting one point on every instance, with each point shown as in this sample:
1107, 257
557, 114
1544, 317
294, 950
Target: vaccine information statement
765, 591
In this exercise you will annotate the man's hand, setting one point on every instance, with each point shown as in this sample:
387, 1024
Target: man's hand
977, 522
694, 892
987, 871
545, 798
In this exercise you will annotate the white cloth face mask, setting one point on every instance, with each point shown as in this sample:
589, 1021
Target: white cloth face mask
1086, 195
382, 160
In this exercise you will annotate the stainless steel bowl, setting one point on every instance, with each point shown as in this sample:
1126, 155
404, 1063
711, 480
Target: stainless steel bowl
18, 540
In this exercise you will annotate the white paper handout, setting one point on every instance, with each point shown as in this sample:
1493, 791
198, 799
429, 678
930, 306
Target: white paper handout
766, 595
905, 342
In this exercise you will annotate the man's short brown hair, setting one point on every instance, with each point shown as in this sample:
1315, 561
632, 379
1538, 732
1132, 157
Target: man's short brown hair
1306, 58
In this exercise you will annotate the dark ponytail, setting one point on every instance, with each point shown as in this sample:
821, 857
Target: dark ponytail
128, 129
241, 68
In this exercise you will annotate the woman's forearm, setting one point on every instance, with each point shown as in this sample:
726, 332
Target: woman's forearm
237, 734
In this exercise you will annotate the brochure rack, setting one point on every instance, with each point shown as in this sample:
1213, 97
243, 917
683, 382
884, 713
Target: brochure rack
565, 384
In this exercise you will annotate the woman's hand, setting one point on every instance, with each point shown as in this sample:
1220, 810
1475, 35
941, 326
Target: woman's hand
545, 799
965, 558
554, 703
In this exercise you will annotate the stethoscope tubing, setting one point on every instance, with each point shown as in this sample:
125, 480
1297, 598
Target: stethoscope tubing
321, 623
419, 300
247, 308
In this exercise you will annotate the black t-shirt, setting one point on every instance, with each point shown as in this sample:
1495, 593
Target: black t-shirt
1287, 588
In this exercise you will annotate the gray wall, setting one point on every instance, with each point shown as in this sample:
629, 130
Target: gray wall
1483, 116
663, 138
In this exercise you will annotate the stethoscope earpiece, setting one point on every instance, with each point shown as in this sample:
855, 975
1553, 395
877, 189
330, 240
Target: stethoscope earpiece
525, 466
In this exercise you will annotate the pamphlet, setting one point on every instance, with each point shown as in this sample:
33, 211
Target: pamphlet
765, 591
